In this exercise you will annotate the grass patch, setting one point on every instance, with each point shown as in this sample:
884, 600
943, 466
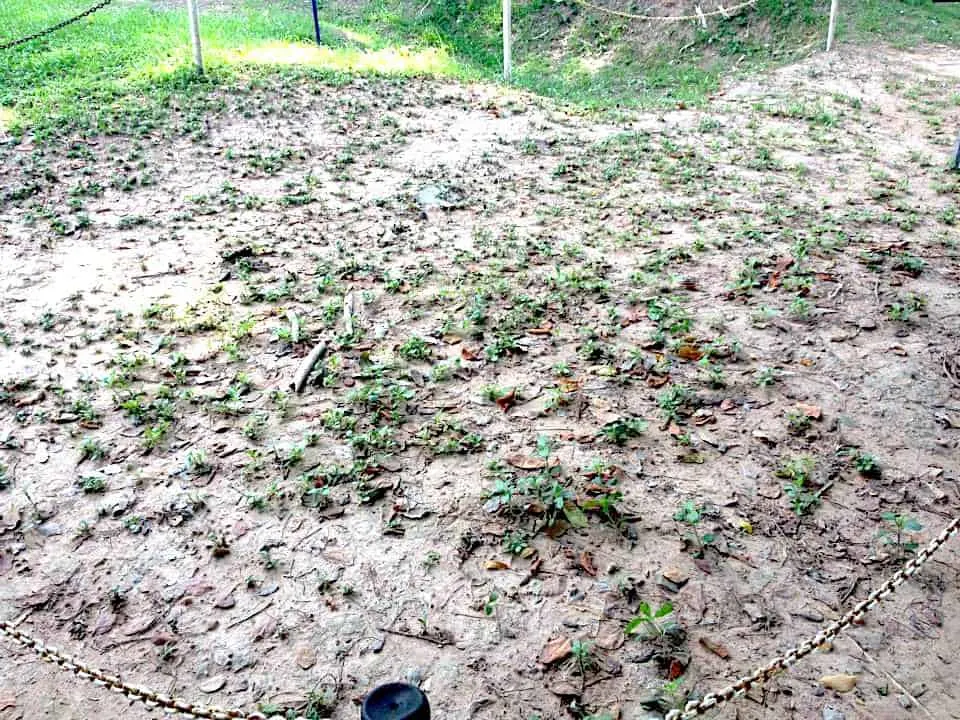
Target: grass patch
94, 75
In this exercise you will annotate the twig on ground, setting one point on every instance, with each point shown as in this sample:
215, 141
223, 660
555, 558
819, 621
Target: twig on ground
252, 615
303, 372
891, 678
439, 642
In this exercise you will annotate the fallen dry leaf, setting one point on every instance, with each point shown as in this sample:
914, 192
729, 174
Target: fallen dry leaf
656, 381
676, 576
31, 399
586, 562
526, 462
689, 352
716, 648
468, 354
496, 565
781, 266
811, 411
840, 683
507, 400
556, 650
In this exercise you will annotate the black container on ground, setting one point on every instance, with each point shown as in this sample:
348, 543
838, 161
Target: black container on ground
395, 701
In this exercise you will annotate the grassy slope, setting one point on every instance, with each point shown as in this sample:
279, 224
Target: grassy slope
97, 74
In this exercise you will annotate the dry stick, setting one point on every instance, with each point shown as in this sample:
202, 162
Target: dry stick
439, 642
252, 615
348, 312
306, 367
294, 326
891, 678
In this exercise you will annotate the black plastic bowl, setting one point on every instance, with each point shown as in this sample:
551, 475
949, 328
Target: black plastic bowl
395, 701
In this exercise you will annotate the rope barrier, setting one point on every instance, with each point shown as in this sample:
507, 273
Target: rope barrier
700, 15
53, 28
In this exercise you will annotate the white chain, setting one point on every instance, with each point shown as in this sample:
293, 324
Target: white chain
692, 710
778, 664
149, 698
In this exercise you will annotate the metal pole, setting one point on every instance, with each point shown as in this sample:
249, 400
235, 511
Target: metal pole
194, 17
834, 6
507, 41
316, 21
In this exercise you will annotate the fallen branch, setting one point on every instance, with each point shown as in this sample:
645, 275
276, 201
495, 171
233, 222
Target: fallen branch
306, 367
251, 615
439, 642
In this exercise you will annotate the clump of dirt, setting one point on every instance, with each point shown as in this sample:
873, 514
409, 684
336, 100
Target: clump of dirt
608, 412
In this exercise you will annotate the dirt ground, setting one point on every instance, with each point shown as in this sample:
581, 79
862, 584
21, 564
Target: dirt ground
769, 285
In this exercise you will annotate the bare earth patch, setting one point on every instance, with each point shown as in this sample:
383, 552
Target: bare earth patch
699, 358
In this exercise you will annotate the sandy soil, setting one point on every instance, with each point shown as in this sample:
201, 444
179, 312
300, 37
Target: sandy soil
155, 281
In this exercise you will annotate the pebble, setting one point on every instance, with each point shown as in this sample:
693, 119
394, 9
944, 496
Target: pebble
830, 713
867, 324
213, 684
917, 689
904, 701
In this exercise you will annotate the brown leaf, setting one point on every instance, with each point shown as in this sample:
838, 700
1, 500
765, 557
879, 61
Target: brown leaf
586, 562
656, 381
716, 648
689, 352
468, 354
676, 576
727, 405
543, 330
526, 462
556, 650
811, 411
611, 638
31, 399
676, 668
781, 266
507, 400
496, 565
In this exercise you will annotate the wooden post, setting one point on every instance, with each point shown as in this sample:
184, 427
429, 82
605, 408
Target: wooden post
834, 6
194, 17
507, 40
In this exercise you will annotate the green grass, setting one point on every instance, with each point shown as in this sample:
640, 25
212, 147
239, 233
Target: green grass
94, 76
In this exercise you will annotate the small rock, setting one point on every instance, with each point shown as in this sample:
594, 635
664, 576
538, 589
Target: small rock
867, 323
676, 576
904, 701
49, 529
225, 602
414, 676
771, 492
810, 614
213, 684
840, 682
917, 689
306, 657
830, 713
